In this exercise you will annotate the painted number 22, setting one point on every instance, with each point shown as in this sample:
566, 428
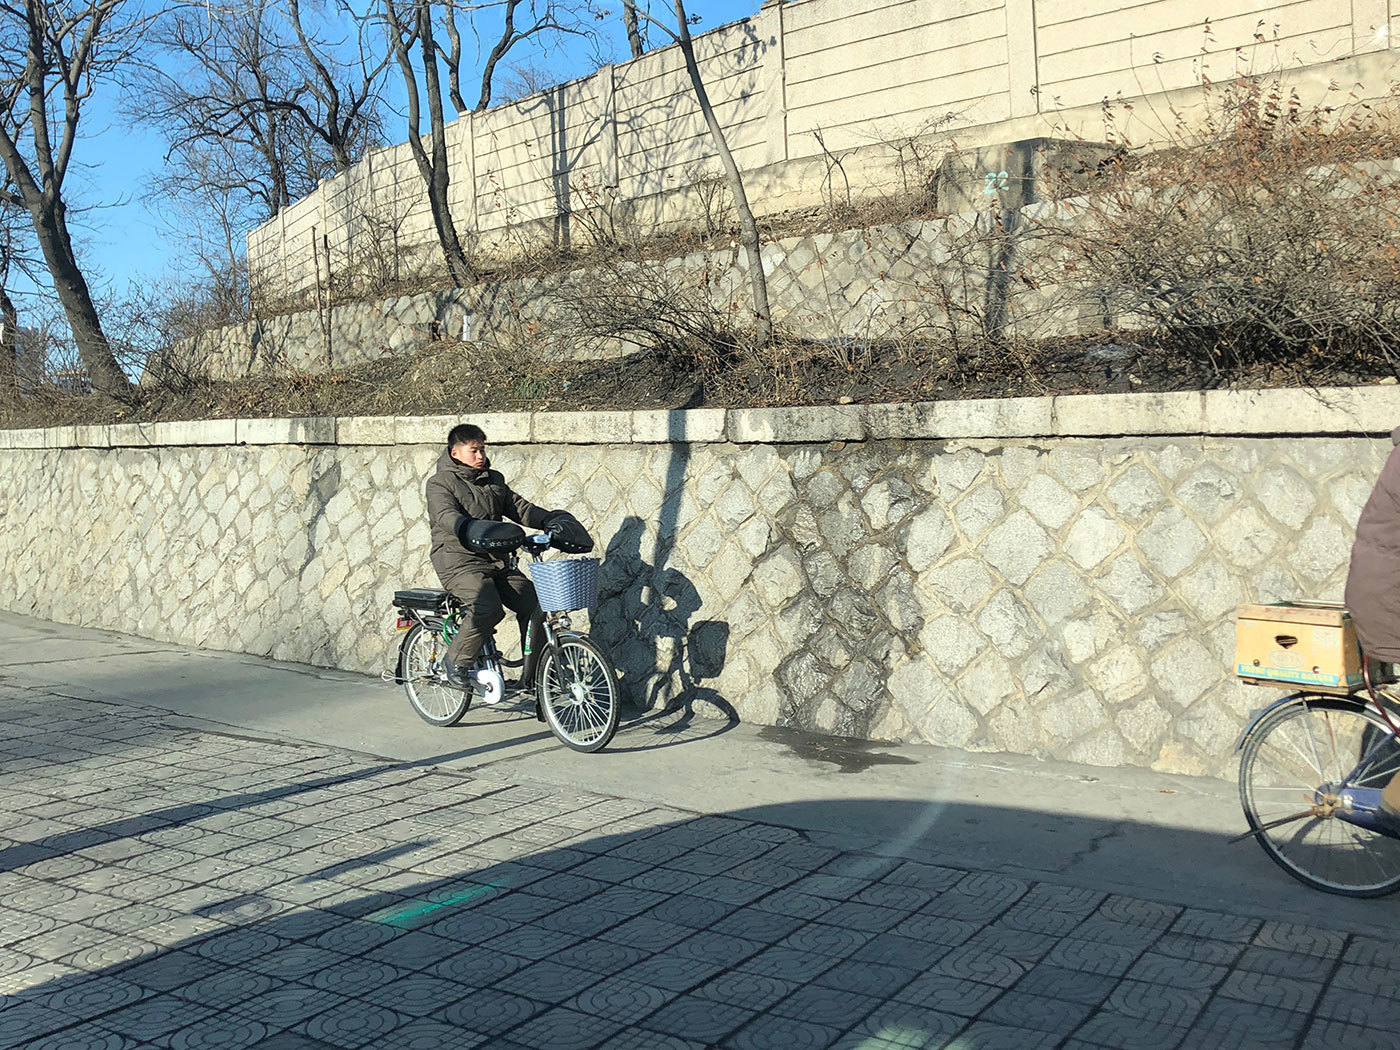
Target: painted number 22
996, 180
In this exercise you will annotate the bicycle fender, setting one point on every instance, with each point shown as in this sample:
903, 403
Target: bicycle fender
1259, 714
429, 625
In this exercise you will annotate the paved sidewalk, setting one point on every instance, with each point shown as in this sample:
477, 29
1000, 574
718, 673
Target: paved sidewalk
169, 881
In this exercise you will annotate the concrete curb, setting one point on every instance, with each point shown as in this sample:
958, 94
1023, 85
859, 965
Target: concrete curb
1369, 410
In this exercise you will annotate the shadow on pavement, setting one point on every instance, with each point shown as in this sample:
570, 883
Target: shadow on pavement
185, 889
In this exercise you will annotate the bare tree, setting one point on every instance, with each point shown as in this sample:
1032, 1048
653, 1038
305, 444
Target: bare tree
748, 227
9, 332
410, 27
203, 213
346, 95
17, 259
273, 96
546, 19
544, 22
523, 79
422, 58
634, 31
52, 56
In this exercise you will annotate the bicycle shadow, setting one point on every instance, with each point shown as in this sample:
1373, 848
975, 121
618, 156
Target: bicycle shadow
665, 657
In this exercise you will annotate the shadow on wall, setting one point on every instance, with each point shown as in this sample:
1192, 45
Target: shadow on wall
647, 618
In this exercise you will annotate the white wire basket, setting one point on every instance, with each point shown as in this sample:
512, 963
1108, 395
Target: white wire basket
566, 584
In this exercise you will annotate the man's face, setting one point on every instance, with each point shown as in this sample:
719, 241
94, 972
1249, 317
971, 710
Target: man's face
471, 454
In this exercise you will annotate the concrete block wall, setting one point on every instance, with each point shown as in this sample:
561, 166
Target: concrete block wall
869, 75
1045, 576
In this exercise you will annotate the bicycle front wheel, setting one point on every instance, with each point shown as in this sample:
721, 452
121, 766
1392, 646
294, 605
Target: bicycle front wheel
1293, 766
578, 694
422, 671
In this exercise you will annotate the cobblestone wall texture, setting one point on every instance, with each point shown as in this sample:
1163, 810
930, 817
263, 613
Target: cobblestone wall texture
1069, 598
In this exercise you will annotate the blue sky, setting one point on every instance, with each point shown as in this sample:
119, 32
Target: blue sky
120, 238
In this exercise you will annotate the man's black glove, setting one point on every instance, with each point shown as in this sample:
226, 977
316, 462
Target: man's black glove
489, 537
568, 535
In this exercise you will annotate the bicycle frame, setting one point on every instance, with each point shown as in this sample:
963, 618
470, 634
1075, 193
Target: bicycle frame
554, 628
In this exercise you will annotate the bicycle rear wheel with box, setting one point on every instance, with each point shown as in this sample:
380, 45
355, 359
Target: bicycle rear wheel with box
1311, 770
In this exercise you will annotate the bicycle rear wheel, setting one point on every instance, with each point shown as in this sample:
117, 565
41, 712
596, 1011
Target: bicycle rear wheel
1299, 757
578, 694
422, 671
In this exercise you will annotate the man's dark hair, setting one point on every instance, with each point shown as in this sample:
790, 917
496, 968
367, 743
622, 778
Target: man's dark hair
464, 432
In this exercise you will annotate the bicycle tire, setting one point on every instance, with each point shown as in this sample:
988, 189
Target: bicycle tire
1298, 752
577, 690
420, 660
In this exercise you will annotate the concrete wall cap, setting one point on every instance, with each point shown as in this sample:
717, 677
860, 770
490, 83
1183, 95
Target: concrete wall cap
910, 419
502, 428
61, 437
994, 417
796, 425
197, 432
364, 430
694, 425
28, 438
300, 430
94, 436
423, 430
131, 435
1099, 415
583, 428
1372, 410
1324, 410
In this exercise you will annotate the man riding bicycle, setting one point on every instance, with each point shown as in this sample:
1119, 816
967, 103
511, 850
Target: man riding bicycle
467, 504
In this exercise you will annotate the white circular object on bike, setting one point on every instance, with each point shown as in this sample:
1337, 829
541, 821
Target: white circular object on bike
489, 686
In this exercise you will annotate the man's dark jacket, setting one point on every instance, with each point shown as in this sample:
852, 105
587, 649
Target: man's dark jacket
1373, 584
455, 491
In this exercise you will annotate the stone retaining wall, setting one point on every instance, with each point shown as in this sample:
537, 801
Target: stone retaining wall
868, 284
1046, 576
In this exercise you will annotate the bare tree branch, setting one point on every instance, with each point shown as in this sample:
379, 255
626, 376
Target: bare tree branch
634, 32
403, 36
748, 227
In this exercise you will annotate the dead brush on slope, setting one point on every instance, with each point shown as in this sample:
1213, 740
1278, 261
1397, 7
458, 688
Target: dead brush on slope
1260, 239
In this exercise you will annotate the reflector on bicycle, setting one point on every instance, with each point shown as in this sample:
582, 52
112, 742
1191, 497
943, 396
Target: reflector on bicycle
403, 623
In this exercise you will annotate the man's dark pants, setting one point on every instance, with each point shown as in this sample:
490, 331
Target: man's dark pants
488, 593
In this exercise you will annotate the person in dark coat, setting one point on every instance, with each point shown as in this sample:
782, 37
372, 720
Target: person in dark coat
1373, 580
465, 489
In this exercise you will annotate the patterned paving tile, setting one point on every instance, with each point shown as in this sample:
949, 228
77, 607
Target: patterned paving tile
782, 1033
1229, 1024
1118, 1032
353, 1024
691, 1017
327, 913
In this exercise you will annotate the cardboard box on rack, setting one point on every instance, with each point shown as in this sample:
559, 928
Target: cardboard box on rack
1310, 644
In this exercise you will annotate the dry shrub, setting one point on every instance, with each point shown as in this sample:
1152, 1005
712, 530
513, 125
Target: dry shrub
979, 301
1260, 235
619, 307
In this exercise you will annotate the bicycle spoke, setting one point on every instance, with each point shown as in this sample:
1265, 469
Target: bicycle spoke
1301, 754
1312, 743
1336, 757
579, 695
